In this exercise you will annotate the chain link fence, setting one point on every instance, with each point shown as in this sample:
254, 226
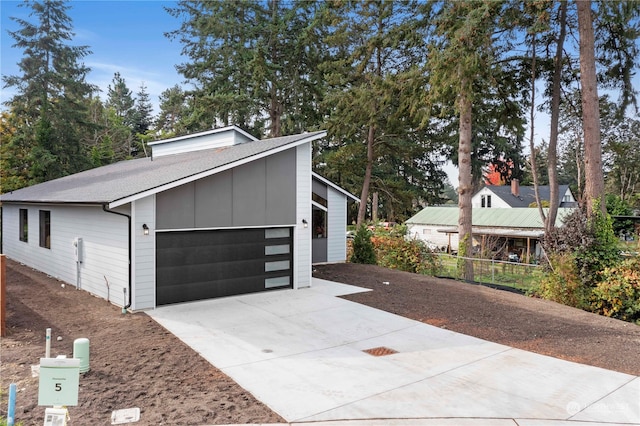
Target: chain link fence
518, 276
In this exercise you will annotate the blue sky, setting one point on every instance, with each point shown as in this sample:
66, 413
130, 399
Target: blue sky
124, 36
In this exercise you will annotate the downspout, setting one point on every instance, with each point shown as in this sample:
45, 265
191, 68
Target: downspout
106, 209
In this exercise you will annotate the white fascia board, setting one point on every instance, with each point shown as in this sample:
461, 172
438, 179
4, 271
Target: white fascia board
334, 186
320, 206
205, 133
239, 130
207, 173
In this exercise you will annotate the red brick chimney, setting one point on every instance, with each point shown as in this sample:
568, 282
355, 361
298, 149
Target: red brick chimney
515, 187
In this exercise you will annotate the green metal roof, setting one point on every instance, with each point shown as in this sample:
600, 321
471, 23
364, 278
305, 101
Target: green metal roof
521, 218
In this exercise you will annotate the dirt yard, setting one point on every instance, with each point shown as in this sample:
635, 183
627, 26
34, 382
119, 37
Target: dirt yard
134, 361
137, 363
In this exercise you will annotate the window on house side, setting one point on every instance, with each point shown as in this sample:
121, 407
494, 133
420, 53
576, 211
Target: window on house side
483, 200
489, 201
24, 225
319, 223
318, 199
45, 229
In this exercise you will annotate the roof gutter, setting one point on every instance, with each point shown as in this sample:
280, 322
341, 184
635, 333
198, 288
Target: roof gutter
106, 209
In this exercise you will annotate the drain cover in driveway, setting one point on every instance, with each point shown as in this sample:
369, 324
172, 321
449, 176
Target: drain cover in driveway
380, 351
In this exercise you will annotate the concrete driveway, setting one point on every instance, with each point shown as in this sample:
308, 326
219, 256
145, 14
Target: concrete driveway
311, 356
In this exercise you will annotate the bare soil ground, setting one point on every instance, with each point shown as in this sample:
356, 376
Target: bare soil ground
134, 362
137, 363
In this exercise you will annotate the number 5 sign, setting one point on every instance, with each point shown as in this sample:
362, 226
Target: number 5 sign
59, 381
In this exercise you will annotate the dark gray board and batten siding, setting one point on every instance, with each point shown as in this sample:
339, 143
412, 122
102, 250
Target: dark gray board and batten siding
197, 258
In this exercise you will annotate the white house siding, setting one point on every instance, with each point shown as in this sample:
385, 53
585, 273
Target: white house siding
336, 226
302, 235
430, 235
144, 249
105, 246
567, 197
496, 202
186, 144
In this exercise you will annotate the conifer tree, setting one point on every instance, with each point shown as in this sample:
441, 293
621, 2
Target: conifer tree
143, 118
173, 107
373, 77
120, 98
253, 64
52, 92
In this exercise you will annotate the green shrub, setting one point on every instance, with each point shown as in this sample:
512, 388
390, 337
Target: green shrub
591, 241
603, 252
363, 251
563, 284
617, 294
410, 255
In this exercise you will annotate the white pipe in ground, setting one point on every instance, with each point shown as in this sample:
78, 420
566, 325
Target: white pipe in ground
47, 350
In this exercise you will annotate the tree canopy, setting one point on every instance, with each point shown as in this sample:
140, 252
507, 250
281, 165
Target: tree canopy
401, 87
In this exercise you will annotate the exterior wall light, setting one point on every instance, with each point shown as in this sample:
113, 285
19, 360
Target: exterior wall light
304, 223
145, 229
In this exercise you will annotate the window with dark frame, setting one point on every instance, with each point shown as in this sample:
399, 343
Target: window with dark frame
319, 224
24, 225
319, 217
45, 229
318, 199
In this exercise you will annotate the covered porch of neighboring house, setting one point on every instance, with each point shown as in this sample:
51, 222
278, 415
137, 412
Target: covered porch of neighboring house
517, 245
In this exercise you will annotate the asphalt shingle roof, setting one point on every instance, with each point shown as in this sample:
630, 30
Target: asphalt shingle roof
527, 194
124, 179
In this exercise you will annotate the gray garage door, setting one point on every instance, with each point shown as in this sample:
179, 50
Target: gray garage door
196, 265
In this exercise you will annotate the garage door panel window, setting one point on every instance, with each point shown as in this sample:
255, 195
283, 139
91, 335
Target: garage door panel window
282, 265
277, 233
277, 282
279, 249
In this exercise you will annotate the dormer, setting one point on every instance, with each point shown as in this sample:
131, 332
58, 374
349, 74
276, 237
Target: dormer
216, 138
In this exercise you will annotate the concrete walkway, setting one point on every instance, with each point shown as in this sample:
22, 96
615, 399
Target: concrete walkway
302, 353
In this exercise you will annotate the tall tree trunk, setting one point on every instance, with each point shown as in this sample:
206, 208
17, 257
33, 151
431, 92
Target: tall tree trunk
374, 207
275, 114
594, 178
364, 195
465, 187
579, 164
275, 105
532, 148
552, 156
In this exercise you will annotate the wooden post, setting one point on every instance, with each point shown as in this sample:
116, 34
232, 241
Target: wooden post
3, 295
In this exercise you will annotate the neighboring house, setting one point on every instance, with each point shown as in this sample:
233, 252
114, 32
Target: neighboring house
212, 214
517, 230
516, 196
